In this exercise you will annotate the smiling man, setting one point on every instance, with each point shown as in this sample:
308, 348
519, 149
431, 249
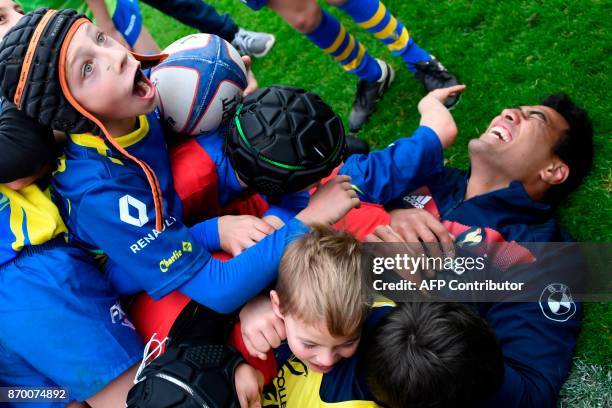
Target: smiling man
536, 145
526, 162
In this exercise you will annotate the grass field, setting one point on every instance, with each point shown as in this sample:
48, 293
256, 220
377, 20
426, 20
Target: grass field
507, 52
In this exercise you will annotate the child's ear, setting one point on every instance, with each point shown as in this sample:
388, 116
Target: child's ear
275, 304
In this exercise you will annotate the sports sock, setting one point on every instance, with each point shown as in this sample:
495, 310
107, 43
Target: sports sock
333, 38
374, 17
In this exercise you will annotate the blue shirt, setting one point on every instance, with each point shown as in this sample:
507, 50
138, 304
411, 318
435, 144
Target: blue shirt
537, 345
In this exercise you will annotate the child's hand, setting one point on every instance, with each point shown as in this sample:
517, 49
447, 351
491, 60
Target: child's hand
330, 202
436, 116
274, 221
249, 384
239, 232
442, 94
261, 328
252, 84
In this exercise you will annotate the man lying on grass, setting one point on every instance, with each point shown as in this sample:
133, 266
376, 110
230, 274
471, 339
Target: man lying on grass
526, 162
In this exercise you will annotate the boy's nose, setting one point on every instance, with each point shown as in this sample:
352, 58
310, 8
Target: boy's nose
327, 358
118, 59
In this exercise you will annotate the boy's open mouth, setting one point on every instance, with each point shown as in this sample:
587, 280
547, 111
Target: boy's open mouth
143, 88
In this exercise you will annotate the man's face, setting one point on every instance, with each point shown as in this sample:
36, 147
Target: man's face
105, 78
518, 143
10, 13
316, 347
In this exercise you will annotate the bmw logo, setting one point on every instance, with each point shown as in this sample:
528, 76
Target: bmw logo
557, 303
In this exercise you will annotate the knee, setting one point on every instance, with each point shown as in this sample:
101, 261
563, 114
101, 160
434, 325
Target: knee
307, 18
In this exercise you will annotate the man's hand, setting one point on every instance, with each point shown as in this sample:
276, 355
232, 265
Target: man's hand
330, 202
415, 225
239, 232
442, 94
436, 116
261, 328
252, 84
249, 384
385, 233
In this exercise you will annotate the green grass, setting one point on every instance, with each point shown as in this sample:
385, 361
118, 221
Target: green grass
507, 52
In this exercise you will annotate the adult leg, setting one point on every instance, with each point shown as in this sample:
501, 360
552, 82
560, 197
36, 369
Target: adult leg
128, 21
374, 17
327, 33
145, 44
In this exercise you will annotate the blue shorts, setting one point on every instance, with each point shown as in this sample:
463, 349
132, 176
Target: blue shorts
255, 4
128, 20
61, 323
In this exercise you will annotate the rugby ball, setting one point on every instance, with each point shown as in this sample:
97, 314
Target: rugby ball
200, 84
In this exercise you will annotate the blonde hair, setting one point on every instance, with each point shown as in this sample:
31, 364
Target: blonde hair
320, 281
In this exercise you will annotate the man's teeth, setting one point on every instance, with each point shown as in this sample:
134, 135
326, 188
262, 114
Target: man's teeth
501, 133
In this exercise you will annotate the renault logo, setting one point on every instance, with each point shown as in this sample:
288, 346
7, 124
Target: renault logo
139, 209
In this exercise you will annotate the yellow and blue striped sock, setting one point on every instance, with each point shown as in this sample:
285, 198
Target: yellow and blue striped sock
333, 38
374, 17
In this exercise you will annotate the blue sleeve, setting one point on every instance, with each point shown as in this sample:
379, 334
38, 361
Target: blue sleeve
207, 234
225, 286
384, 175
289, 206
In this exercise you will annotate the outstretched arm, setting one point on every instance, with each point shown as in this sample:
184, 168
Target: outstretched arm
383, 176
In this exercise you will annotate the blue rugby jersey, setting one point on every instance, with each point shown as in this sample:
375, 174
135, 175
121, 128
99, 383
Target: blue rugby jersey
108, 208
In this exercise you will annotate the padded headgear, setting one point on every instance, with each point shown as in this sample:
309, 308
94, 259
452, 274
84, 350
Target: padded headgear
42, 97
33, 77
284, 139
193, 374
